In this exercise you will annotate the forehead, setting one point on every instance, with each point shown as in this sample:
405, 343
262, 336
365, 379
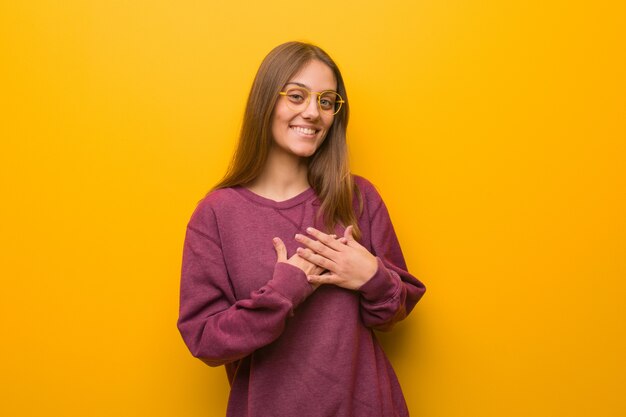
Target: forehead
316, 76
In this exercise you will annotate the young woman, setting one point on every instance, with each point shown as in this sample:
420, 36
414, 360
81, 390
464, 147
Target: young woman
291, 262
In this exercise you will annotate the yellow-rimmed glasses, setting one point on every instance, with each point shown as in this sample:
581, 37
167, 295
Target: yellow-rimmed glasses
298, 97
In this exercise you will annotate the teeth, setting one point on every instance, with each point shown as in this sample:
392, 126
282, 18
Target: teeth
305, 130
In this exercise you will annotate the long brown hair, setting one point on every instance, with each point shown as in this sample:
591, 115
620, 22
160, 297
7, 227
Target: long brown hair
328, 169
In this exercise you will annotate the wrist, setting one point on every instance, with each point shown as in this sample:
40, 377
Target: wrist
370, 270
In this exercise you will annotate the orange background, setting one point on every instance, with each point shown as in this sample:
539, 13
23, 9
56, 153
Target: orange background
495, 131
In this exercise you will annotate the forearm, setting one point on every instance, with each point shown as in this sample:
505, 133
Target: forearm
218, 332
389, 296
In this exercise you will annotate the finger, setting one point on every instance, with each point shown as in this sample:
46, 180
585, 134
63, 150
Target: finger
347, 234
322, 279
343, 240
316, 259
317, 246
281, 250
327, 240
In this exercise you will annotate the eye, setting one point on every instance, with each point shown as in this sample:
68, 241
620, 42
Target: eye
296, 96
326, 104
327, 101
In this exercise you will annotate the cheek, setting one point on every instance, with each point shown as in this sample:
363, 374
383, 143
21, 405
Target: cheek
328, 127
279, 116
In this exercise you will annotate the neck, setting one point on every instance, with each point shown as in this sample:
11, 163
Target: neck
283, 177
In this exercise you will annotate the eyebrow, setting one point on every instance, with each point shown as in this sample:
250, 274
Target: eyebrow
306, 86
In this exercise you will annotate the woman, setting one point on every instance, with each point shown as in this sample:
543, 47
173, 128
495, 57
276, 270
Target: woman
291, 262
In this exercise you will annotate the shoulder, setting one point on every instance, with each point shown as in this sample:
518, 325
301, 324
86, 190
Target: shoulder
363, 184
368, 192
219, 199
204, 217
216, 200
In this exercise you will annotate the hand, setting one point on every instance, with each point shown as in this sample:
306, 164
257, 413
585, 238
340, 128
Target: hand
296, 260
349, 264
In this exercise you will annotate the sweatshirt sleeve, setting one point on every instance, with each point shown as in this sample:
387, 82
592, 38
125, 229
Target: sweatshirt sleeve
390, 295
217, 327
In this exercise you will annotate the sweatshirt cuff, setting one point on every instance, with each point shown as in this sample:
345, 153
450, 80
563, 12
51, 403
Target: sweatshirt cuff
382, 287
290, 282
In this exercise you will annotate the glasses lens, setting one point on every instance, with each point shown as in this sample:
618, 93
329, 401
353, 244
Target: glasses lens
330, 102
297, 98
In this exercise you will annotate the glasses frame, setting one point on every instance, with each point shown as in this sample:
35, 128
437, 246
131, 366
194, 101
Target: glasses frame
319, 97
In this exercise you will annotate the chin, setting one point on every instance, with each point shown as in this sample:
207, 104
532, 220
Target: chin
305, 150
305, 153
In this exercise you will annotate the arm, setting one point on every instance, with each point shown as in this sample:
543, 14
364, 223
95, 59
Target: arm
216, 327
388, 291
392, 292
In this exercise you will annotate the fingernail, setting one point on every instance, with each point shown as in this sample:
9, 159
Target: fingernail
309, 229
298, 236
299, 250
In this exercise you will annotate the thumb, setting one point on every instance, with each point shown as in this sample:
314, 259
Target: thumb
281, 250
347, 234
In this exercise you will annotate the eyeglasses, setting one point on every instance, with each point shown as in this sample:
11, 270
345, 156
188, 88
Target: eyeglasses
298, 98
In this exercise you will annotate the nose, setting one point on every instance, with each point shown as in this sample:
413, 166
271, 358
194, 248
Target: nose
312, 109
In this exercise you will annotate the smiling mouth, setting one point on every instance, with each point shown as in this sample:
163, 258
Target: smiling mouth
304, 130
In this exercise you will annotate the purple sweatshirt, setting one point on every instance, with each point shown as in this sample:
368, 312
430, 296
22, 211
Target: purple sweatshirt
290, 351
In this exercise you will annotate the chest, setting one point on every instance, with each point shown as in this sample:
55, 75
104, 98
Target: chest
247, 247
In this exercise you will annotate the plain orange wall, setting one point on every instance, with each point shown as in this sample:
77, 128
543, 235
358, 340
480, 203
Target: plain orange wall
495, 131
